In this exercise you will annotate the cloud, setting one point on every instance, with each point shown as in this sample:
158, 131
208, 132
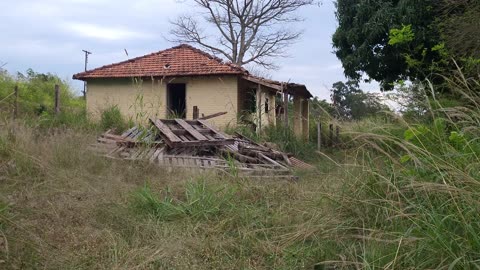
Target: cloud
95, 31
332, 67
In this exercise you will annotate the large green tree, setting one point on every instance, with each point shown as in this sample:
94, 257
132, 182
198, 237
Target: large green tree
350, 102
362, 40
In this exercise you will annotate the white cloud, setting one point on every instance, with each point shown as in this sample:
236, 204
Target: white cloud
332, 67
104, 33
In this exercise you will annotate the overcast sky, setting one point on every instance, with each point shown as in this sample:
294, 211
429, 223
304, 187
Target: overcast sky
49, 35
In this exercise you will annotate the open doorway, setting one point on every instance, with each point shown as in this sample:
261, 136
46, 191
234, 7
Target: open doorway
176, 100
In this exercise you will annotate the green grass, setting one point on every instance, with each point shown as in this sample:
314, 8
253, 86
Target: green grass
404, 195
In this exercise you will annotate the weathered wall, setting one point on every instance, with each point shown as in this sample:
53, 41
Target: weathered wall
139, 100
136, 99
213, 95
264, 113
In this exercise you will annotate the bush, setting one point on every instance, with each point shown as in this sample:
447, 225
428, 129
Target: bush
414, 198
112, 119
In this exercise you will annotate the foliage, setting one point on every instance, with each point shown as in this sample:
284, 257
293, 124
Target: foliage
401, 36
111, 118
458, 23
36, 100
202, 201
287, 141
416, 193
321, 110
349, 102
362, 42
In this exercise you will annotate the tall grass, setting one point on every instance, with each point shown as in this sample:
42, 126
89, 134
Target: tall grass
202, 201
413, 200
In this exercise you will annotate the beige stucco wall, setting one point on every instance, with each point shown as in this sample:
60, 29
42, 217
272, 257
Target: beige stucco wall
138, 100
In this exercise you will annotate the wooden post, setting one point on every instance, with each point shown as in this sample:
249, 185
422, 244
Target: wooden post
57, 99
15, 103
196, 112
331, 134
337, 135
285, 108
319, 136
297, 117
305, 115
259, 108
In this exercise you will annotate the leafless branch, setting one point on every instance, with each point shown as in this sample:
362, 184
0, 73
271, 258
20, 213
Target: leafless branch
245, 31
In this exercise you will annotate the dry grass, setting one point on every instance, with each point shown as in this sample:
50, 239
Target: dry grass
69, 209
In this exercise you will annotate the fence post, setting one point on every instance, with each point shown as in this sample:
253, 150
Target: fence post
15, 103
57, 99
285, 109
319, 136
196, 112
337, 135
330, 128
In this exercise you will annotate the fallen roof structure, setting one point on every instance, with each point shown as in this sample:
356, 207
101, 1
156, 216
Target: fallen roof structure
194, 144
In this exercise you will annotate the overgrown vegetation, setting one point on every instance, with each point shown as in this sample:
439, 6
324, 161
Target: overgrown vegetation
111, 118
36, 97
404, 196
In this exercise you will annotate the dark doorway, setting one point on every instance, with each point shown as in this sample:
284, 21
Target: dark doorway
176, 99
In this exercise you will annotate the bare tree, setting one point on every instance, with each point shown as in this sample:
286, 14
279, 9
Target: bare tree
246, 31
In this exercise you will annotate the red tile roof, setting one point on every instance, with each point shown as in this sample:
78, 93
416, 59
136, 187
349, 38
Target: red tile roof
182, 60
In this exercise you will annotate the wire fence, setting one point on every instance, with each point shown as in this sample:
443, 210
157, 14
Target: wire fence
10, 103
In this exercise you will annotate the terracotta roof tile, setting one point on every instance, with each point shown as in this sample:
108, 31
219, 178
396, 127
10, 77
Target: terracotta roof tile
182, 60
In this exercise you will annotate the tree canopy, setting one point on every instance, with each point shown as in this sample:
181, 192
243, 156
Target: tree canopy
361, 40
350, 102
392, 40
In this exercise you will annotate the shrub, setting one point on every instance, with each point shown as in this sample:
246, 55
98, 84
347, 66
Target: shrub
414, 199
112, 118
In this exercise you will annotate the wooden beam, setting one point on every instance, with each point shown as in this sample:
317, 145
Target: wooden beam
319, 136
264, 83
196, 112
168, 135
206, 117
57, 99
285, 108
15, 104
197, 135
220, 134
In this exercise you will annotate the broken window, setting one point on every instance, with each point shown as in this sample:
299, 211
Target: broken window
250, 102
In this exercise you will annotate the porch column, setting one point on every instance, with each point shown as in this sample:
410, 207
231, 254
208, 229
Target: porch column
305, 119
272, 118
297, 116
259, 96
285, 108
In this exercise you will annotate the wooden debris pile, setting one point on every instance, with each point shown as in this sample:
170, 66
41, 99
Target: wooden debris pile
194, 144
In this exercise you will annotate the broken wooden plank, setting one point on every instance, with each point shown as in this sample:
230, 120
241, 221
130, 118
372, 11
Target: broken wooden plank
272, 161
197, 135
165, 132
206, 117
214, 130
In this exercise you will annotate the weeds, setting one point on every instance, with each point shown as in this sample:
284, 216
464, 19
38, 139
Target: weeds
201, 201
418, 195
112, 118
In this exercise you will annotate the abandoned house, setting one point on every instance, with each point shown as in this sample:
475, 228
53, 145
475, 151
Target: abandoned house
185, 82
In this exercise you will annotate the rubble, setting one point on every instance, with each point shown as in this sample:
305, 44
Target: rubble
195, 144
